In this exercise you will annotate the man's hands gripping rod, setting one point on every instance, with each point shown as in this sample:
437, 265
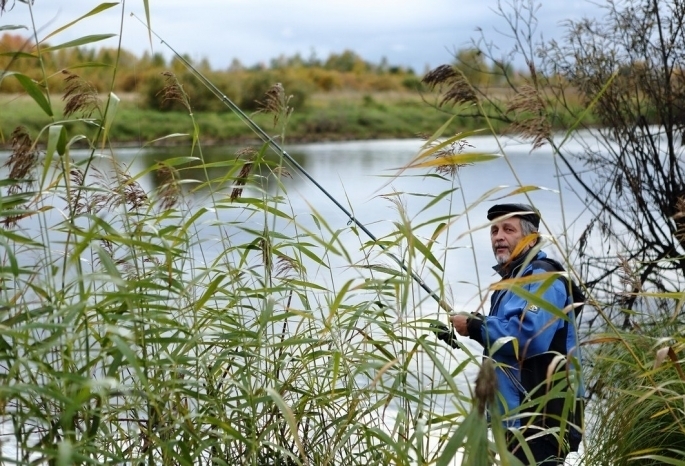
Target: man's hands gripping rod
447, 333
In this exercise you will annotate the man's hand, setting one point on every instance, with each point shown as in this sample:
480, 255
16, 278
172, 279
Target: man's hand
444, 333
459, 322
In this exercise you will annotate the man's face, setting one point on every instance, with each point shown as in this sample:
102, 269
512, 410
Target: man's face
505, 236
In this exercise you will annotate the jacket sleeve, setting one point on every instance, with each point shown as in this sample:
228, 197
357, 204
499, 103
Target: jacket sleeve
532, 327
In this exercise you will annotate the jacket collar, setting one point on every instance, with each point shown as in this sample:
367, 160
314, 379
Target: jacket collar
511, 269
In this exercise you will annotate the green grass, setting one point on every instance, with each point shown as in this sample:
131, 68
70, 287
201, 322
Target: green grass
326, 118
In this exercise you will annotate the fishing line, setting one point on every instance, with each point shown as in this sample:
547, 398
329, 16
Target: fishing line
265, 138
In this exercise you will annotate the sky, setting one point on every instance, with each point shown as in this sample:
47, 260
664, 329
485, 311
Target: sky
420, 34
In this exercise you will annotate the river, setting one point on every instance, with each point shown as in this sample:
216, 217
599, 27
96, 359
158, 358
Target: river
364, 177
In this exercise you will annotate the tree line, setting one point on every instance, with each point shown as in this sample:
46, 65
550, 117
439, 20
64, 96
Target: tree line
302, 77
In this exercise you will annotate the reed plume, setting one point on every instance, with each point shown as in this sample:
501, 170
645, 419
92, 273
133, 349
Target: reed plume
459, 90
23, 159
173, 91
170, 190
285, 265
530, 116
276, 102
449, 168
249, 154
130, 192
486, 386
79, 95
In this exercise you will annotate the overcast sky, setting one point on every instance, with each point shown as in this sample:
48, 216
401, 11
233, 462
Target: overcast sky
416, 33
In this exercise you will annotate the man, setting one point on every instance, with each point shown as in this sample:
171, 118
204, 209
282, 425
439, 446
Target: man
529, 373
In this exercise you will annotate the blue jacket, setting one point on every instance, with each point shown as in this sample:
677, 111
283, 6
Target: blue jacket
541, 337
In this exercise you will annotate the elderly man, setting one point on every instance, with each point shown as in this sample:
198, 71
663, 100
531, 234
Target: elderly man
532, 372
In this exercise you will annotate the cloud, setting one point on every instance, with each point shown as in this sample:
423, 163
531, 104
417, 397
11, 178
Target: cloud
405, 32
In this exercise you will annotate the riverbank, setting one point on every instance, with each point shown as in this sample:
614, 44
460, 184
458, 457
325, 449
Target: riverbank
327, 117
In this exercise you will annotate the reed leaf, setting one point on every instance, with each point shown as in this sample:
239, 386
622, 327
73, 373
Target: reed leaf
32, 89
79, 42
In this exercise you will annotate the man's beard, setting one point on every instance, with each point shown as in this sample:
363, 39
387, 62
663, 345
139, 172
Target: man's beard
502, 259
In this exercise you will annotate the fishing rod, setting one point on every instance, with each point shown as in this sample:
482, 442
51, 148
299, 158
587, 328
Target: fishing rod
265, 138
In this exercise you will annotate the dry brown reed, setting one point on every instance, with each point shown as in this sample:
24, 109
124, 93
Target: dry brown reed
276, 102
285, 265
23, 159
249, 154
170, 190
80, 96
108, 193
530, 116
459, 90
173, 90
129, 191
449, 168
486, 386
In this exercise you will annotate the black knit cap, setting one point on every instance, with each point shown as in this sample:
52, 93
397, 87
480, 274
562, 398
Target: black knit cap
532, 215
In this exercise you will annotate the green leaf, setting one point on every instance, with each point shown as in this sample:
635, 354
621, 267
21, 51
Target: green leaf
12, 27
65, 453
176, 161
94, 11
457, 440
457, 159
525, 189
316, 221
587, 109
89, 64
146, 4
536, 299
661, 459
168, 136
289, 417
447, 142
18, 55
79, 42
32, 89
440, 131
57, 141
130, 357
336, 303
19, 239
438, 198
415, 242
209, 292
110, 113
500, 342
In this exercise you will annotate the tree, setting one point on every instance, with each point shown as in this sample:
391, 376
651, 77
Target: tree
640, 183
472, 64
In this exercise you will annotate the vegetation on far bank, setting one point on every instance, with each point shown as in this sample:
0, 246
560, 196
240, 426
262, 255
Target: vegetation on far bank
327, 117
341, 97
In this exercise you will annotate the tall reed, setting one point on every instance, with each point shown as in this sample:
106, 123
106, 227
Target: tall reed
151, 319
